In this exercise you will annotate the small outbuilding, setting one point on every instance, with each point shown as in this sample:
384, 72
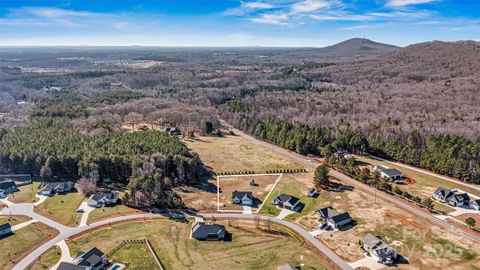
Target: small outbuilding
312, 193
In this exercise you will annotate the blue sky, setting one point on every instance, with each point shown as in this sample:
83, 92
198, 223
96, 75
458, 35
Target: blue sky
296, 23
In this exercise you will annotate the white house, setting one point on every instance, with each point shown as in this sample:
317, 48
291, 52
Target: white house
51, 188
379, 250
100, 199
475, 204
393, 175
242, 198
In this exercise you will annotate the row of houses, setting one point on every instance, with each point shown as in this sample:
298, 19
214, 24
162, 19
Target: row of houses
455, 199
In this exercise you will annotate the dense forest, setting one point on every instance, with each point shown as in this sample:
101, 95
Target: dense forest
55, 152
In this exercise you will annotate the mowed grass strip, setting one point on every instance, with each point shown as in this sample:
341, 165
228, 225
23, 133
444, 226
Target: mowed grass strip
236, 154
13, 220
135, 256
47, 260
15, 246
26, 194
111, 211
62, 208
249, 249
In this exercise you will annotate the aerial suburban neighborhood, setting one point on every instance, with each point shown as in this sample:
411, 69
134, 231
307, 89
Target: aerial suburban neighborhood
242, 134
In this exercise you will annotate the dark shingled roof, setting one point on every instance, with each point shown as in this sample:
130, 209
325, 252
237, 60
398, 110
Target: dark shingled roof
241, 194
7, 184
202, 228
100, 195
91, 257
341, 217
70, 266
287, 198
5, 226
327, 212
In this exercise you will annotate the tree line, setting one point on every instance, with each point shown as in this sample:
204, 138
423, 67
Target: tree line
445, 154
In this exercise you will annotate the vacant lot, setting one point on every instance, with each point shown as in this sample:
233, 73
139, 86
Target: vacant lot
26, 194
236, 154
111, 211
228, 184
373, 215
250, 248
13, 220
62, 208
135, 256
17, 245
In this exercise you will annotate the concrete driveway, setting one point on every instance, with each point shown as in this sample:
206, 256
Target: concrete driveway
86, 212
367, 262
284, 213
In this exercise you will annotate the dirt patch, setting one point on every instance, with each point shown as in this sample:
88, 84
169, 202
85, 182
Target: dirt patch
403, 220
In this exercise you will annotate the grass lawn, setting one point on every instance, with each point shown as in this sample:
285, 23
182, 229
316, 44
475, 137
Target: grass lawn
62, 208
135, 256
15, 246
249, 248
234, 154
109, 212
26, 194
47, 260
13, 220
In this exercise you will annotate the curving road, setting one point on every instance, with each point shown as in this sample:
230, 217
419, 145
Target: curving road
66, 233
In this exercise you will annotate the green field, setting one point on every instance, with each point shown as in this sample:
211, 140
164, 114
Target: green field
26, 194
62, 208
249, 249
13, 220
109, 212
135, 256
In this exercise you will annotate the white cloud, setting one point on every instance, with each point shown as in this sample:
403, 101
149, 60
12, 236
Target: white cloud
257, 5
247, 7
401, 3
272, 18
309, 6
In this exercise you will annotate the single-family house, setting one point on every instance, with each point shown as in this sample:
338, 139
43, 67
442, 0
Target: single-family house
288, 266
51, 188
475, 204
459, 199
19, 179
202, 231
100, 199
312, 193
286, 201
442, 194
242, 198
5, 229
6, 188
333, 218
379, 250
343, 154
93, 259
393, 175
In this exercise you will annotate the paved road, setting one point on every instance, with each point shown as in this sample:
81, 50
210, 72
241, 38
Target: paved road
26, 209
314, 162
73, 231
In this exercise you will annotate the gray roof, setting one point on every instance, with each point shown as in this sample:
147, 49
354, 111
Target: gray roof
15, 177
377, 244
242, 195
391, 172
50, 186
210, 229
444, 193
7, 185
5, 226
284, 198
327, 212
460, 197
100, 195
70, 266
341, 217
91, 257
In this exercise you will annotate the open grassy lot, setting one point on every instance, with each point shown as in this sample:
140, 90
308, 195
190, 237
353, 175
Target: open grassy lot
135, 256
399, 227
13, 220
17, 245
62, 208
234, 154
26, 194
47, 260
250, 248
228, 184
111, 211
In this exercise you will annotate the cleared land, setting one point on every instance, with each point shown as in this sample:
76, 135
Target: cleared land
62, 208
135, 256
26, 194
236, 154
250, 248
13, 220
111, 211
228, 184
423, 245
47, 260
17, 245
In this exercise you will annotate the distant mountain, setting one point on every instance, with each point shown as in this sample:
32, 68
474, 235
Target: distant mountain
357, 47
